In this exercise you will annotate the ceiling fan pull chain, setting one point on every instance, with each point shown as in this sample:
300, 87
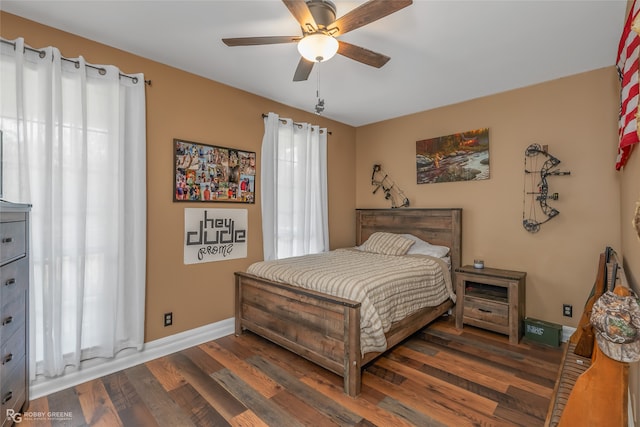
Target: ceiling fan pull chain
320, 105
318, 82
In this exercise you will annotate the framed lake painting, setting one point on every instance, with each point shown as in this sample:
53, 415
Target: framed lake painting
461, 156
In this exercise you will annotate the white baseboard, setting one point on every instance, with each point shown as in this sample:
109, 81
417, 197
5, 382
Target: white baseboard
567, 331
96, 368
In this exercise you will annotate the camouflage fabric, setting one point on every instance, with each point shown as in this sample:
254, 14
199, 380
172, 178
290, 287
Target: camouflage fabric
616, 320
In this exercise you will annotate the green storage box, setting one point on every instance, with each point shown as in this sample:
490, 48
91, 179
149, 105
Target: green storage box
543, 332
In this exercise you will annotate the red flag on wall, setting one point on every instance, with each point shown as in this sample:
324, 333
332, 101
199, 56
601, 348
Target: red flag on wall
627, 64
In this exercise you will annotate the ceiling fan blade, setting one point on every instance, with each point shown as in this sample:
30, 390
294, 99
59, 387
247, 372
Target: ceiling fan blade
361, 54
252, 41
301, 12
303, 70
367, 13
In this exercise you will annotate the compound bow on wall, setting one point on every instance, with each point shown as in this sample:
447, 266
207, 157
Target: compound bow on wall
391, 191
538, 192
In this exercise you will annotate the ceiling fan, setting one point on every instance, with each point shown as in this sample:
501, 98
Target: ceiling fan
320, 28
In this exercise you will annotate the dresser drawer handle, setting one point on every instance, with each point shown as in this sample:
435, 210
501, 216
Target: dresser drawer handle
7, 397
7, 239
7, 320
484, 310
7, 358
9, 282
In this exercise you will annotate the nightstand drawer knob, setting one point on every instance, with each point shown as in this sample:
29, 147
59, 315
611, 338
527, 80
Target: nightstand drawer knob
10, 282
484, 310
7, 320
7, 397
7, 240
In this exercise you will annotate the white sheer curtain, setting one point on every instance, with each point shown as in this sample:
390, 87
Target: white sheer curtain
293, 188
75, 148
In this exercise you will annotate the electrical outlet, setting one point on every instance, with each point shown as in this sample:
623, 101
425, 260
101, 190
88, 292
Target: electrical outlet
168, 319
567, 310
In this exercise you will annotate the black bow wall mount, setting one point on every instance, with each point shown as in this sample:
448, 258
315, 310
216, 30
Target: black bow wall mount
391, 191
536, 193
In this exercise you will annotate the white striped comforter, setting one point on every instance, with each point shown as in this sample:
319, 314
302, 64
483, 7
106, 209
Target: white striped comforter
388, 287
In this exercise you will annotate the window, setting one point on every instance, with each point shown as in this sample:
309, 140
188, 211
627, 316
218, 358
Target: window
294, 189
74, 148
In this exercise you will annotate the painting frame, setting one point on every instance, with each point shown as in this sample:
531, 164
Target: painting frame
462, 156
212, 173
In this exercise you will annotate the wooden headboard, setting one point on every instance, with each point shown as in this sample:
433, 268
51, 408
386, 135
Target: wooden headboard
436, 226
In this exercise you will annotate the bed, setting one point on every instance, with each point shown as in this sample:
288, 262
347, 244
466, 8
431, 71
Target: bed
325, 329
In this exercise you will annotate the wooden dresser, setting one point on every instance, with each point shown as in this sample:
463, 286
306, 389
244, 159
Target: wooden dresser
14, 299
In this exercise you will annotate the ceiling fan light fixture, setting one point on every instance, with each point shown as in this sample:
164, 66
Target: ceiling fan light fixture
318, 47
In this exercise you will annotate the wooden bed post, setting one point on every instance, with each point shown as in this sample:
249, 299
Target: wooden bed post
352, 356
238, 314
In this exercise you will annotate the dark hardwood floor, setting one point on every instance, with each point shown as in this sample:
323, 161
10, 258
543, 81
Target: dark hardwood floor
438, 377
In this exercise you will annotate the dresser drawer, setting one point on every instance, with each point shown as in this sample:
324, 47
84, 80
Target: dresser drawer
487, 311
14, 279
13, 391
13, 240
12, 352
13, 317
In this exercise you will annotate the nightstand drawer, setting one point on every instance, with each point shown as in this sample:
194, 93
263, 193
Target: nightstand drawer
488, 311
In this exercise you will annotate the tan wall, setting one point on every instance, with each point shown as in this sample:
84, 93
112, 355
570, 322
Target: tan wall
576, 118
182, 105
629, 196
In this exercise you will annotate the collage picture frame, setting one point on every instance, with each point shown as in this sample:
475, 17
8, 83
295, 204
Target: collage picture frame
211, 173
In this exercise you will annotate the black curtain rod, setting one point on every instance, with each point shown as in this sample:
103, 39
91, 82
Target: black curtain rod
283, 121
101, 70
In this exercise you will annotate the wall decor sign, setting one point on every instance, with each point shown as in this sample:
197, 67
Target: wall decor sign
214, 235
208, 173
458, 157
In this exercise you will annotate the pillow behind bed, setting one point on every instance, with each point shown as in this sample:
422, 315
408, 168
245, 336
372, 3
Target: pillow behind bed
425, 248
387, 244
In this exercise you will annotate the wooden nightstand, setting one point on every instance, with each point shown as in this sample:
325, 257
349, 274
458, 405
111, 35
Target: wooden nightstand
491, 298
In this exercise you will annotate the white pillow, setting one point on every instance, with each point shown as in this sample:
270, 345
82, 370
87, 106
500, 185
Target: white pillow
387, 244
420, 247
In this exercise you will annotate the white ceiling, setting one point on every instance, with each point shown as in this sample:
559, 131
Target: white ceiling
442, 52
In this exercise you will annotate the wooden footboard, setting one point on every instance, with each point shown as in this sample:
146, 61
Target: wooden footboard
319, 327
